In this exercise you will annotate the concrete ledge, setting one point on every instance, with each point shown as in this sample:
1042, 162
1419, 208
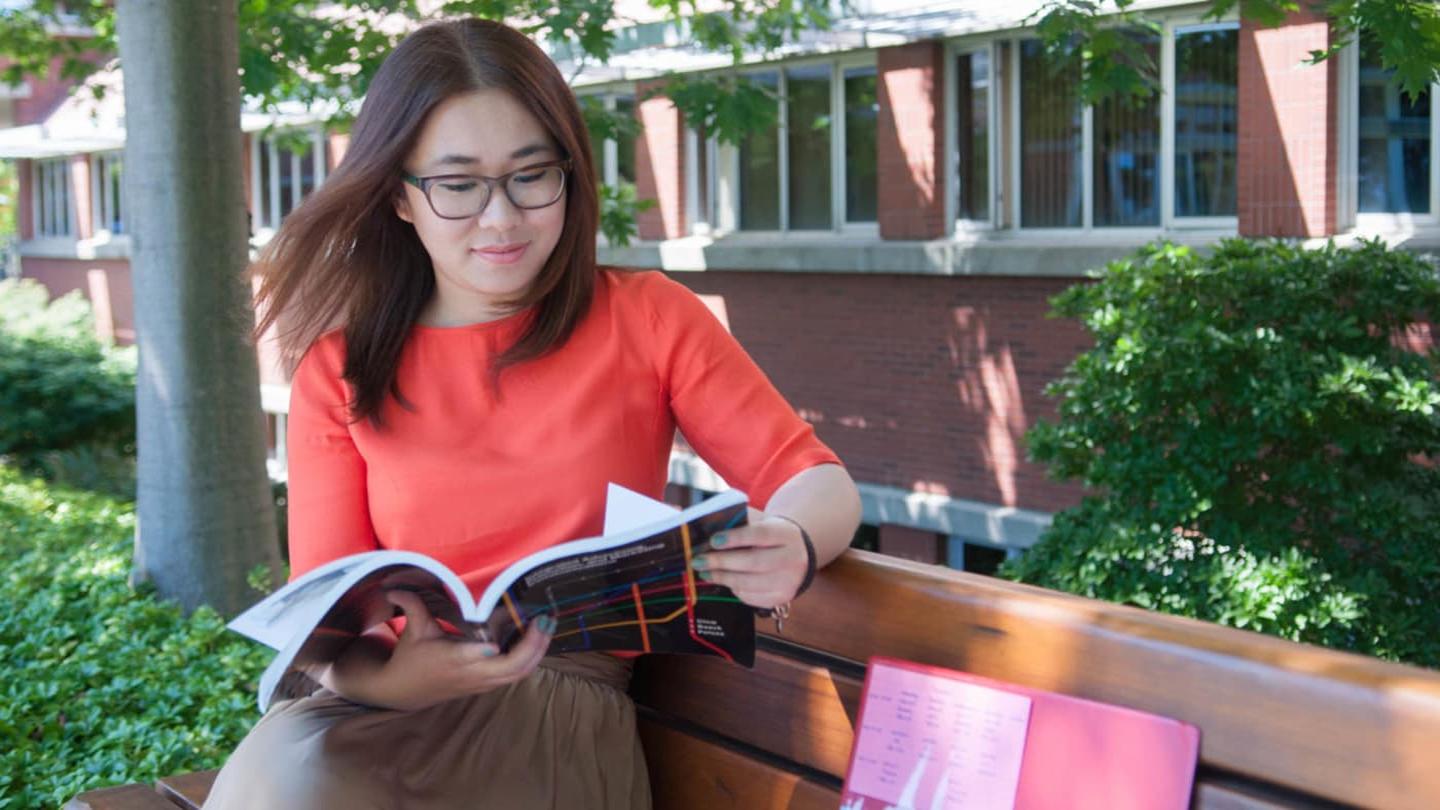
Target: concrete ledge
1001, 526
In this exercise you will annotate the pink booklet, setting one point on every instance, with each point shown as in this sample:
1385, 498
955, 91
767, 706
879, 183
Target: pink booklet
936, 739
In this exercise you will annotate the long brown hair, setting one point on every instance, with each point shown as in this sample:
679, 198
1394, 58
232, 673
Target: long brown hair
344, 257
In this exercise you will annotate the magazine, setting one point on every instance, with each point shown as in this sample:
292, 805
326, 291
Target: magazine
630, 589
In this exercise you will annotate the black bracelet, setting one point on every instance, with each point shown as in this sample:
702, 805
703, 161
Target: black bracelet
810, 560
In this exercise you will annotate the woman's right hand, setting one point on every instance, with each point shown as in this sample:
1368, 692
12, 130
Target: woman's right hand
426, 665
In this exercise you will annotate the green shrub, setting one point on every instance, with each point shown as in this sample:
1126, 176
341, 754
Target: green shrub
60, 388
1261, 446
102, 683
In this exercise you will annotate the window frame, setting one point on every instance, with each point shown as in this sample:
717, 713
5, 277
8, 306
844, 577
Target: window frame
1172, 25
42, 174
270, 185
101, 195
955, 49
725, 163
609, 158
1347, 197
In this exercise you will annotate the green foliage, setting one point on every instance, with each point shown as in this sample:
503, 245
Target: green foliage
103, 684
60, 388
1262, 441
1088, 35
618, 208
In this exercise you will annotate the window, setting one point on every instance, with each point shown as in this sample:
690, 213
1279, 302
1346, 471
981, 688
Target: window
1394, 143
760, 173
614, 157
1206, 77
699, 180
52, 197
862, 115
105, 203
1157, 161
972, 135
285, 167
1126, 151
808, 132
791, 178
1051, 141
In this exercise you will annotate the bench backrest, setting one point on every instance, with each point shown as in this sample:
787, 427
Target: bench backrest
1282, 724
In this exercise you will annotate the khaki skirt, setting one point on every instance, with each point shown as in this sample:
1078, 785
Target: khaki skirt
563, 738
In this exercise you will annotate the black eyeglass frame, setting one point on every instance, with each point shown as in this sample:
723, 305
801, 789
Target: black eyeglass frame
503, 181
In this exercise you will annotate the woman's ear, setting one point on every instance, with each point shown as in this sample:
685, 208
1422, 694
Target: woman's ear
402, 207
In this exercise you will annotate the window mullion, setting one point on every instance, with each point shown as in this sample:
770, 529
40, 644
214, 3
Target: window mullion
1016, 158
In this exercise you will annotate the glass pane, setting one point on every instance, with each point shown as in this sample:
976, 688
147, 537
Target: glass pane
808, 91
262, 205
1206, 75
1127, 153
285, 166
1394, 159
972, 135
307, 173
760, 174
862, 111
113, 184
625, 144
1050, 142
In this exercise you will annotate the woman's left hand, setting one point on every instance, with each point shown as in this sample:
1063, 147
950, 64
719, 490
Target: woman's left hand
763, 562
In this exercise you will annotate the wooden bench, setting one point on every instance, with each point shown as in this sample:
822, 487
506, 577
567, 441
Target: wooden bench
1283, 725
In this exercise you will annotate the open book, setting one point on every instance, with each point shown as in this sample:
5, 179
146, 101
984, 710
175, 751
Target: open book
630, 589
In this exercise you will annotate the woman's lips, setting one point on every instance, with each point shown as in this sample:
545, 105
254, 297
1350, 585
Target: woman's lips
503, 254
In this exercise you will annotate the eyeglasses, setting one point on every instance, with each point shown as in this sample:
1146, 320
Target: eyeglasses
461, 196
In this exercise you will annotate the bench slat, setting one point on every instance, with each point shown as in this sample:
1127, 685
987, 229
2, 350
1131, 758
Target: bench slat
802, 713
1342, 726
124, 797
188, 790
688, 773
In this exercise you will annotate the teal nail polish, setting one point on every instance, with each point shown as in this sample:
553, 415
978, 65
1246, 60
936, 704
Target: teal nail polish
707, 576
548, 625
699, 563
719, 540
488, 653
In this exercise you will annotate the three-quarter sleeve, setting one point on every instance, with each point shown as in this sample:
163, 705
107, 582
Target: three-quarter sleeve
329, 513
725, 406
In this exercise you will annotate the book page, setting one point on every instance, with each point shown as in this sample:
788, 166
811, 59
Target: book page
927, 742
626, 509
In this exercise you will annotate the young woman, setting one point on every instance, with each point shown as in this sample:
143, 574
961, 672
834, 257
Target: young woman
470, 382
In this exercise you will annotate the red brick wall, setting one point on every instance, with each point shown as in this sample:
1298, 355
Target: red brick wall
911, 141
45, 96
660, 165
921, 383
104, 282
1287, 140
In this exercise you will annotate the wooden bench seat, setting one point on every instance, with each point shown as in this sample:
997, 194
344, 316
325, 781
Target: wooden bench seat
1283, 725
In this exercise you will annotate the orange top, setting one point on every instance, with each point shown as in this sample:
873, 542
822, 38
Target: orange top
478, 482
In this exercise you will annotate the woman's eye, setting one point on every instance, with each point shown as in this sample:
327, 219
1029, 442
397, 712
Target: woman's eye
529, 178
460, 187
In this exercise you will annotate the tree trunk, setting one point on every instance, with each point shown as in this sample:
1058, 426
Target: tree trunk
206, 515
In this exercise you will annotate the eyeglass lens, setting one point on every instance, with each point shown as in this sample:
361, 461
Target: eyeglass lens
459, 196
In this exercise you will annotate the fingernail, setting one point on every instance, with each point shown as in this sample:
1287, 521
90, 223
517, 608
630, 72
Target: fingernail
719, 540
699, 563
548, 624
488, 653
706, 576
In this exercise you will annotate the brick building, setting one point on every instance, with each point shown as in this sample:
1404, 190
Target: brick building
887, 252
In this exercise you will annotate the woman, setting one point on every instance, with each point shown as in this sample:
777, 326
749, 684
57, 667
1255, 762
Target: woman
484, 384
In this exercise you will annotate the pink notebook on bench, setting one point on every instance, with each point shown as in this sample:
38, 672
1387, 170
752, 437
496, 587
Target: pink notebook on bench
936, 739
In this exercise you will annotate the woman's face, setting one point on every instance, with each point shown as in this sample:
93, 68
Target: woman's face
482, 260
